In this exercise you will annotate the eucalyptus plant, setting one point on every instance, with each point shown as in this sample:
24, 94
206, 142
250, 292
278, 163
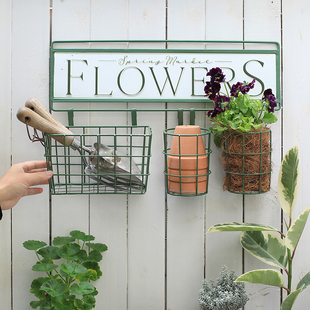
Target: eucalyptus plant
66, 286
269, 244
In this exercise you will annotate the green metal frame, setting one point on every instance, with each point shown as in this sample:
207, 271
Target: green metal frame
54, 49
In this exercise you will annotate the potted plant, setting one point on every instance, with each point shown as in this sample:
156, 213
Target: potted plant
264, 243
239, 123
225, 294
66, 286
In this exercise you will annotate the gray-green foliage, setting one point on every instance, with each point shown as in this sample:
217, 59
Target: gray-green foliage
66, 286
224, 294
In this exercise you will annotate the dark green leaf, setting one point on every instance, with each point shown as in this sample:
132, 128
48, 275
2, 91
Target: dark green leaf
93, 266
49, 252
82, 289
44, 304
94, 256
36, 304
90, 301
81, 255
44, 267
98, 246
36, 287
68, 251
33, 245
78, 303
76, 234
73, 269
54, 287
62, 240
218, 139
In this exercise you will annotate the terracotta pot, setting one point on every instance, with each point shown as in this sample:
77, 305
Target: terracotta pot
187, 162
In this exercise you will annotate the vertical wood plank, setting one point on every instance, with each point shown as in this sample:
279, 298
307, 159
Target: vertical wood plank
108, 213
5, 142
146, 213
30, 76
296, 41
262, 22
222, 206
185, 215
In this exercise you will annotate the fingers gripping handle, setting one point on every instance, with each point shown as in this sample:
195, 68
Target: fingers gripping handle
27, 116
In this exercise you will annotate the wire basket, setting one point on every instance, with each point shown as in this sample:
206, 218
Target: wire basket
80, 172
187, 160
247, 161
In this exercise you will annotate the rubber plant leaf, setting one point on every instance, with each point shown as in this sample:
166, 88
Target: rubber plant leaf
265, 246
288, 302
234, 226
296, 229
304, 282
288, 181
263, 276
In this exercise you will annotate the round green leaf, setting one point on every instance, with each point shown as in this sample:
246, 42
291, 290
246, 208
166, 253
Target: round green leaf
93, 266
44, 267
98, 246
49, 252
73, 269
94, 256
76, 234
82, 289
36, 287
90, 301
33, 245
54, 287
62, 240
68, 251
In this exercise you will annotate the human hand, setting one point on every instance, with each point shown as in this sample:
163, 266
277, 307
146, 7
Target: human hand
18, 182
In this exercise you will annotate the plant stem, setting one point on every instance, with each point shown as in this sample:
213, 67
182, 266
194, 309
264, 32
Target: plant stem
290, 270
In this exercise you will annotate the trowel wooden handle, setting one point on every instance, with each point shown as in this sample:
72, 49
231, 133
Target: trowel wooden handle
27, 116
36, 106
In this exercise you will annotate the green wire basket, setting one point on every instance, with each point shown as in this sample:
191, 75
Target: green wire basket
247, 161
187, 160
71, 168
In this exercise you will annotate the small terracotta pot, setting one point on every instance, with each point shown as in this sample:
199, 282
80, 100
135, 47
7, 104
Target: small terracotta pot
187, 162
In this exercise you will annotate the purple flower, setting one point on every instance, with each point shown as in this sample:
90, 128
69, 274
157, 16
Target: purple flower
219, 105
211, 89
270, 97
244, 88
216, 75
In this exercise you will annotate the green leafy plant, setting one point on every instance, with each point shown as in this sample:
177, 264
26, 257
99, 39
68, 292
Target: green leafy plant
237, 110
66, 286
272, 246
225, 294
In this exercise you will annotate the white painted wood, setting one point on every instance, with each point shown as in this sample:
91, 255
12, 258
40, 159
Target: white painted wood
29, 78
296, 121
222, 206
5, 141
141, 269
262, 22
146, 213
185, 215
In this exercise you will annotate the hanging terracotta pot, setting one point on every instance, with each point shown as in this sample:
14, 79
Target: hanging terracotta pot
247, 161
187, 162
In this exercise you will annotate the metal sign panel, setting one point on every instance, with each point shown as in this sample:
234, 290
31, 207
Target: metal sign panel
87, 74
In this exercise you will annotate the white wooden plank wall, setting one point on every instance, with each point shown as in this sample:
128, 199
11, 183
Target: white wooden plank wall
158, 251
